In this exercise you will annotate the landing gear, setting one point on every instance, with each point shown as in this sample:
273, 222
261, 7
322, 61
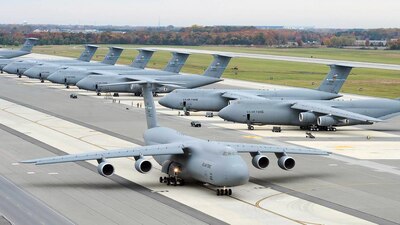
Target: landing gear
98, 93
224, 191
116, 95
137, 94
172, 180
318, 128
19, 75
67, 86
250, 127
41, 81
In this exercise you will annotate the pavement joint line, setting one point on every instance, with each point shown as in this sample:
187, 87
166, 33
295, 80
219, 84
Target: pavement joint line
124, 182
325, 203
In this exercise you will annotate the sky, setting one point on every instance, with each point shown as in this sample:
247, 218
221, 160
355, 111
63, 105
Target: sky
291, 13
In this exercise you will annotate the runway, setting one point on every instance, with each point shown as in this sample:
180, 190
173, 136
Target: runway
289, 58
354, 186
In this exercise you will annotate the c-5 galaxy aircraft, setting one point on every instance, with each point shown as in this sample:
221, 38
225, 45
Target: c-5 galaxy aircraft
19, 67
310, 114
183, 157
216, 99
42, 72
132, 83
26, 49
71, 76
7, 56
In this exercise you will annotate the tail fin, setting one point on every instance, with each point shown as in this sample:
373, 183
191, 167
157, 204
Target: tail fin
28, 45
177, 61
88, 53
335, 79
142, 58
218, 66
151, 117
112, 55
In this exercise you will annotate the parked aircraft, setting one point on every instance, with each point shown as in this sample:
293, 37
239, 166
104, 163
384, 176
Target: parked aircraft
310, 114
131, 83
71, 76
216, 99
42, 72
25, 49
20, 66
184, 157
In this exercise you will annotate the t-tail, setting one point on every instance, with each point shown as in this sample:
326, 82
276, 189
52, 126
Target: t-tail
112, 56
335, 79
218, 66
142, 58
88, 53
149, 105
177, 61
28, 45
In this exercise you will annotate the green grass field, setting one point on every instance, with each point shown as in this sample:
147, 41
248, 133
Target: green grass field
372, 82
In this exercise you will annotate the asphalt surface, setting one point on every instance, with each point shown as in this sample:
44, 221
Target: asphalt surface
352, 186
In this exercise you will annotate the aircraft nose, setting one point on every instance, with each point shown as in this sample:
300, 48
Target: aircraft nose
84, 84
31, 73
165, 101
238, 172
225, 113
10, 69
55, 78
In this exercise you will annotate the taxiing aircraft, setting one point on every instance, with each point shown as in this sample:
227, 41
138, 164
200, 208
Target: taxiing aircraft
216, 99
310, 114
184, 157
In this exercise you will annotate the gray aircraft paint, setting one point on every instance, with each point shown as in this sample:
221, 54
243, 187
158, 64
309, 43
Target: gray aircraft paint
216, 99
126, 83
71, 76
278, 112
216, 163
19, 67
44, 71
25, 49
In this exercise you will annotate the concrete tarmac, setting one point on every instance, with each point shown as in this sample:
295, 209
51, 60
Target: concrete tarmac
366, 189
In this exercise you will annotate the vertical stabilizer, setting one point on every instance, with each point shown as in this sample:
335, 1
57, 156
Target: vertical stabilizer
218, 66
335, 79
88, 53
28, 45
149, 105
177, 61
112, 56
142, 58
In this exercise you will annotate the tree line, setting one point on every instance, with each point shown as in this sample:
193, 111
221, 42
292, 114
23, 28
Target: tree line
199, 35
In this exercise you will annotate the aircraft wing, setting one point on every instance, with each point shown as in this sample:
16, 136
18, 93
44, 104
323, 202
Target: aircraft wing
145, 80
151, 150
234, 95
328, 110
249, 148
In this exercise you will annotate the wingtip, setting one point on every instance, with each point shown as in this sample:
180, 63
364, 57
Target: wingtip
28, 161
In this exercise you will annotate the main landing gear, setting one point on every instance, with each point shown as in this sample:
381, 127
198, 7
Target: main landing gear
250, 127
224, 191
318, 128
172, 180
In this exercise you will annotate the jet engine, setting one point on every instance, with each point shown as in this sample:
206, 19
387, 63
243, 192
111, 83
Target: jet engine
105, 169
307, 117
286, 162
326, 121
143, 165
260, 161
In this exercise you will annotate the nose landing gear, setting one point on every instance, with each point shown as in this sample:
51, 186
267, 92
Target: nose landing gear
224, 191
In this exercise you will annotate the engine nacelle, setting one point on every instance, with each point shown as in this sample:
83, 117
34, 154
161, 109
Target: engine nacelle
143, 165
325, 121
286, 162
260, 161
105, 169
307, 117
